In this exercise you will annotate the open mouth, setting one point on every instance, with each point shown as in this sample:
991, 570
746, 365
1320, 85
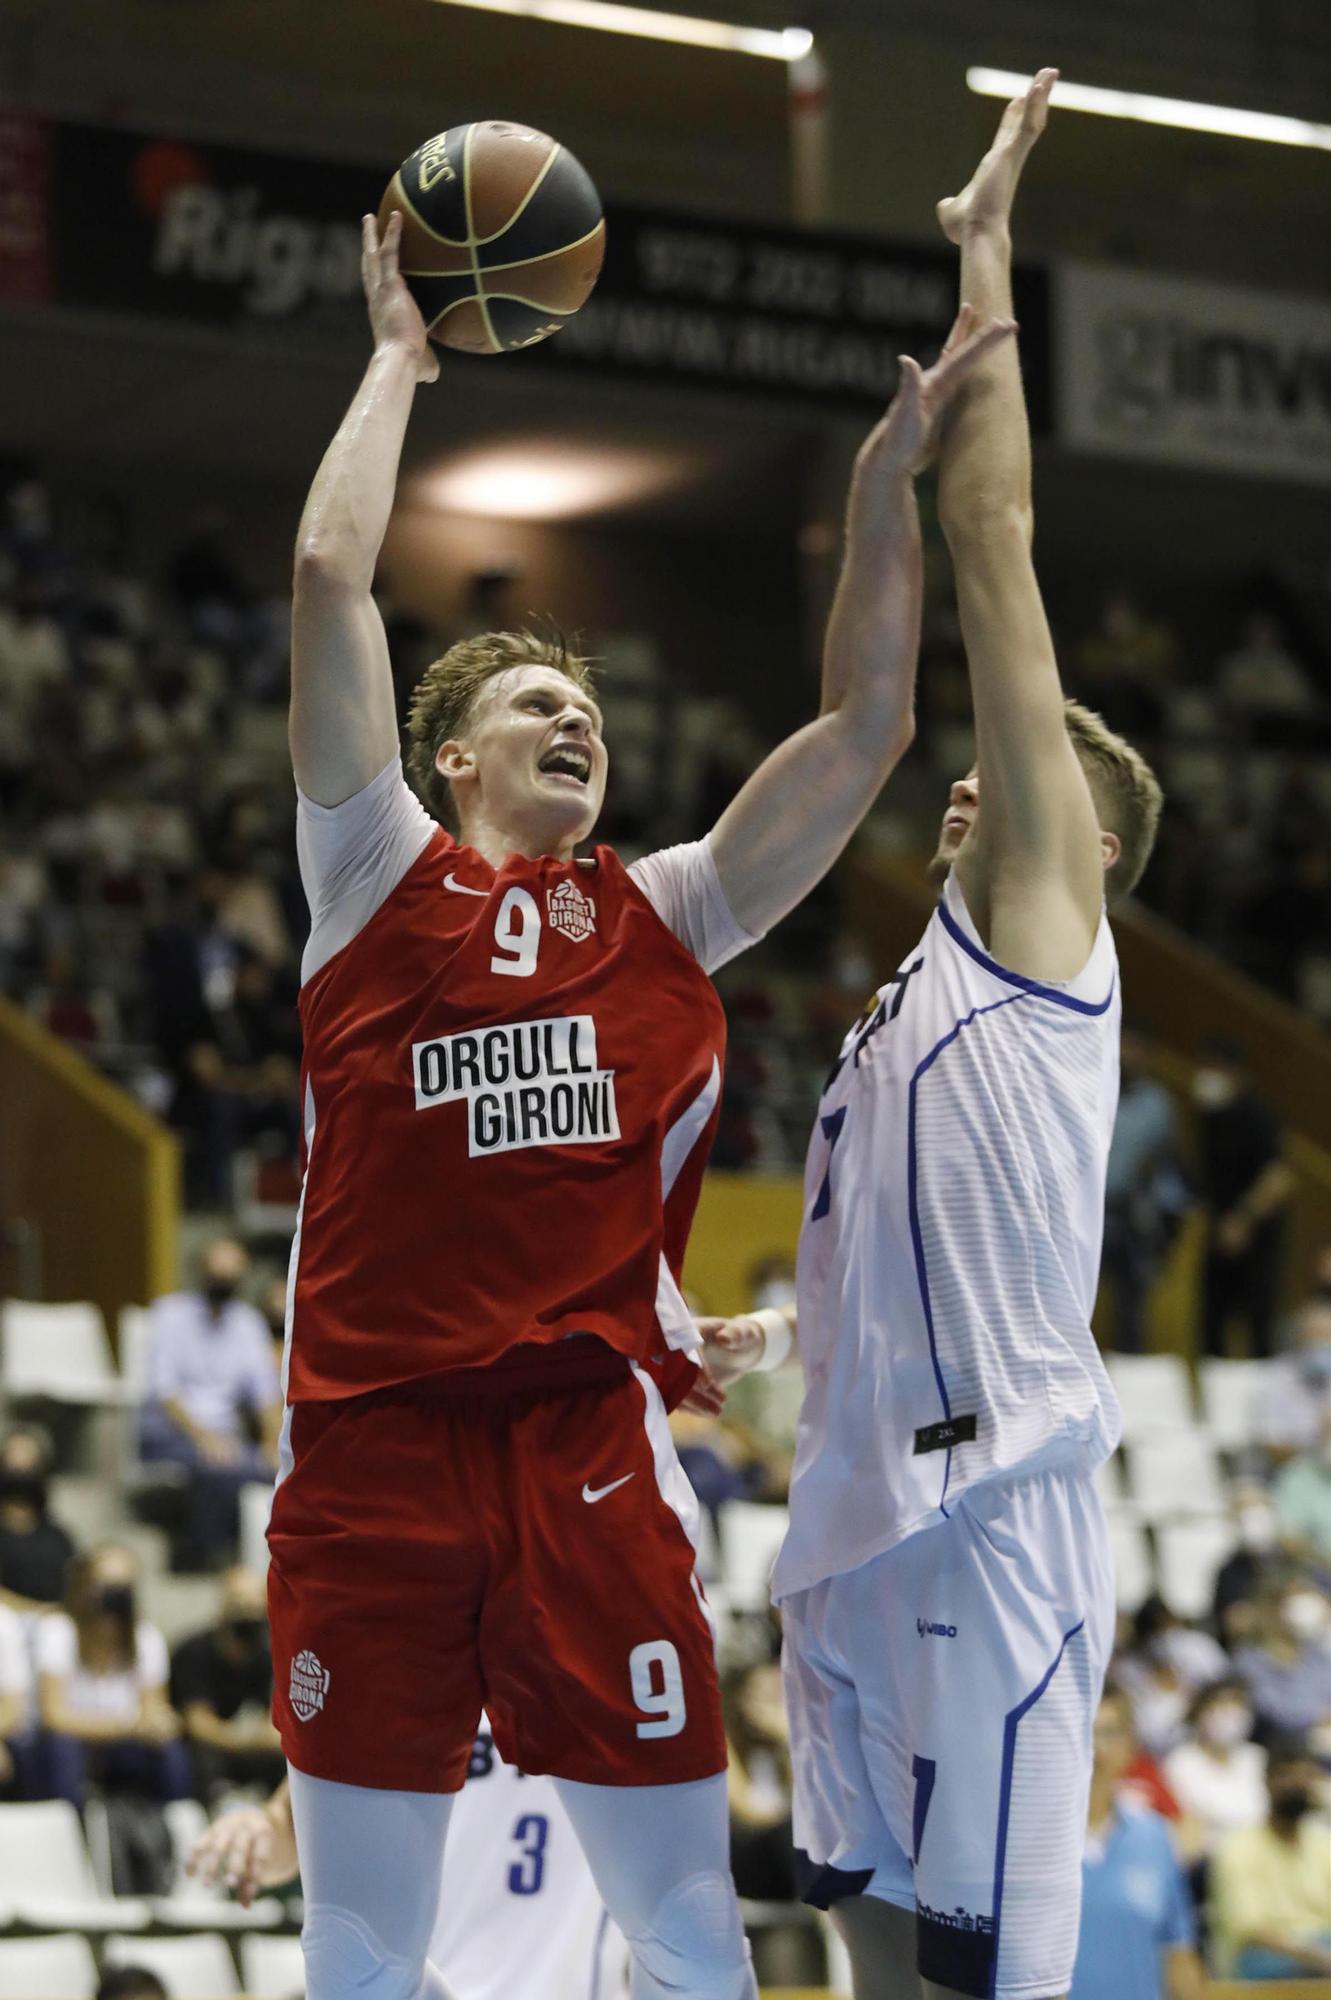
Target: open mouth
567, 760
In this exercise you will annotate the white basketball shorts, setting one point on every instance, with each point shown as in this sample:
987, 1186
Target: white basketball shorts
941, 1698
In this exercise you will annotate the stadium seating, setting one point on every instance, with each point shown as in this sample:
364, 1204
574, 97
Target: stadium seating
256, 1502
1133, 1573
198, 1967
1229, 1400
1175, 1473
1154, 1391
750, 1537
47, 1968
48, 1877
57, 1351
1189, 1553
271, 1968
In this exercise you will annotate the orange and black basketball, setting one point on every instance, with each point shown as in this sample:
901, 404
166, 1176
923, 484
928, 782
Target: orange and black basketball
502, 234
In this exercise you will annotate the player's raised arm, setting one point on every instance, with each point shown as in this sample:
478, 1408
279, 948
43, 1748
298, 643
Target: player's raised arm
789, 823
343, 727
1037, 831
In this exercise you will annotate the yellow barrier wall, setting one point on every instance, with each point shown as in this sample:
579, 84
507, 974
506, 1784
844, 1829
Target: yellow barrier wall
741, 1218
93, 1174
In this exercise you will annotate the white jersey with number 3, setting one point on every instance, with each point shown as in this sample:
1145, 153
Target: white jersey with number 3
520, 1917
953, 1216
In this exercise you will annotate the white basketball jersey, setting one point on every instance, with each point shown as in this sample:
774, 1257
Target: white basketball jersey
520, 1918
950, 1250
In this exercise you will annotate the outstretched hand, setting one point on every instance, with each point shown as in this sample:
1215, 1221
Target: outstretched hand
395, 317
988, 196
248, 1849
908, 435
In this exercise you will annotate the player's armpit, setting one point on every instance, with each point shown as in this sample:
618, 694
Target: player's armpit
343, 722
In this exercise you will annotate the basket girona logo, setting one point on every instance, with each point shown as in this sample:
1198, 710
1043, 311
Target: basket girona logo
571, 912
309, 1685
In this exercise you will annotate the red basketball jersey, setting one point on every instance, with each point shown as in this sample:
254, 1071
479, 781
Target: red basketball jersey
511, 1080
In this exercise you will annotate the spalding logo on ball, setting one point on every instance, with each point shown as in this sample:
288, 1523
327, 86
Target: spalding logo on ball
502, 235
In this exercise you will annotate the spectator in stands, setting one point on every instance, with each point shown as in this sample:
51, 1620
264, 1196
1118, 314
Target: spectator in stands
1271, 1884
1246, 1186
1261, 681
1287, 1670
1146, 1195
1218, 1775
273, 1306
1251, 1570
102, 1688
131, 1982
1293, 1404
35, 1551
1125, 667
210, 1367
1302, 1496
1162, 1670
15, 1699
222, 1686
1137, 1939
762, 1848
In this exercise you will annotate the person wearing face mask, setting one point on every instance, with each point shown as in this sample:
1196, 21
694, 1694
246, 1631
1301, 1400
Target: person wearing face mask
1302, 1496
1166, 1664
1219, 1775
101, 1680
35, 1551
1288, 1675
222, 1686
1271, 1884
1292, 1410
1246, 1186
1137, 1939
210, 1366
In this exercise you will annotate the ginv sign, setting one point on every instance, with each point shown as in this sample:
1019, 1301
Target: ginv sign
236, 239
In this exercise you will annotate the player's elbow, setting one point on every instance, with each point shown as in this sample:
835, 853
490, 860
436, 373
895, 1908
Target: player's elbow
322, 569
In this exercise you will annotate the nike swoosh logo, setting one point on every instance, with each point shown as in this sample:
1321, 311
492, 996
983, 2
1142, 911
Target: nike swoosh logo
591, 1496
450, 882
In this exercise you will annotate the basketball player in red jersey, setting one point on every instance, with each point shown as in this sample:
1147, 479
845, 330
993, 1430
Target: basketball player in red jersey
512, 1069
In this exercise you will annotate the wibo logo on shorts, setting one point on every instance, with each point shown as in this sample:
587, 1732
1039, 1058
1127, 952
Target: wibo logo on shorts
928, 1631
530, 1083
309, 1685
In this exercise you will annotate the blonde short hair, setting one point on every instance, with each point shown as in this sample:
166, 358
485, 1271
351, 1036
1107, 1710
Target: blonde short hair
1126, 793
446, 695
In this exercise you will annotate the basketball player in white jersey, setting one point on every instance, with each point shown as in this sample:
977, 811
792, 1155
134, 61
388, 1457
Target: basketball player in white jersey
946, 1583
522, 1919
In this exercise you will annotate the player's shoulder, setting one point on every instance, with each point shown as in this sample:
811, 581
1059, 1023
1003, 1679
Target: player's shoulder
1089, 995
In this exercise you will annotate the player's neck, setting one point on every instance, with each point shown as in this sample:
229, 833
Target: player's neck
496, 841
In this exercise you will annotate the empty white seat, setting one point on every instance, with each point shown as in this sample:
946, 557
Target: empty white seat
198, 1967
48, 1876
1154, 1391
1109, 1480
1230, 1390
272, 1968
47, 1968
134, 1332
1133, 1575
1177, 1473
256, 1503
56, 1351
750, 1537
1190, 1553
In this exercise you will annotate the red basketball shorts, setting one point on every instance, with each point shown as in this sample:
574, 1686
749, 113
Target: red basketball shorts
530, 1553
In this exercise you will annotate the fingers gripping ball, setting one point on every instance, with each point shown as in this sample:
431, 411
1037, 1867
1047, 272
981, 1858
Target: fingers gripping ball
502, 235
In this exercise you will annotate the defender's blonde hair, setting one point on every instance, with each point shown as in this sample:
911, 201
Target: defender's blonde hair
446, 696
1126, 793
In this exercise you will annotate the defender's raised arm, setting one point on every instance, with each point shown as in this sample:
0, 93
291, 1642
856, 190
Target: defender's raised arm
1036, 880
343, 726
794, 816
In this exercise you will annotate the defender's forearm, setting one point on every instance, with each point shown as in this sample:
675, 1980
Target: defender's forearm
873, 632
985, 466
346, 515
